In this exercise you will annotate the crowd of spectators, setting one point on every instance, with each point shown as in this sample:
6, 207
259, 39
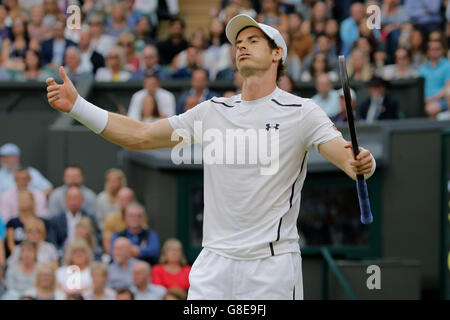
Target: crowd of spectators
71, 243
118, 40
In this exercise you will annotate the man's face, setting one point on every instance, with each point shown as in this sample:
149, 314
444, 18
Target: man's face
192, 56
199, 80
323, 84
58, 30
253, 53
134, 217
176, 29
376, 91
85, 39
73, 177
435, 50
22, 179
150, 57
124, 197
10, 162
72, 59
74, 199
140, 275
122, 250
151, 84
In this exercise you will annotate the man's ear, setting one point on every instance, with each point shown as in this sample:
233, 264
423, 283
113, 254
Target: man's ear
277, 54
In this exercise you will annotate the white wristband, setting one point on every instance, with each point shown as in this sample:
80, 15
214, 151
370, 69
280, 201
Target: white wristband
90, 115
374, 165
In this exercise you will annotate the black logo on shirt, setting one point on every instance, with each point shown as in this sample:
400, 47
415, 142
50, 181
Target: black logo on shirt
276, 126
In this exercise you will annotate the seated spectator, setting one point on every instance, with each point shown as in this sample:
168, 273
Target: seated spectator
436, 71
164, 98
127, 42
174, 44
85, 230
124, 294
144, 33
236, 7
106, 202
131, 13
323, 45
342, 116
99, 290
118, 24
293, 62
286, 83
9, 205
175, 294
35, 232
10, 162
53, 49
142, 288
36, 28
194, 61
326, 97
72, 59
45, 284
20, 277
51, 12
402, 69
115, 67
120, 271
215, 57
393, 15
199, 90
150, 65
319, 66
417, 45
77, 258
116, 222
272, 16
15, 228
332, 32
172, 270
73, 176
358, 66
349, 30
33, 69
64, 224
90, 59
319, 15
145, 241
424, 14
150, 110
15, 47
379, 106
100, 42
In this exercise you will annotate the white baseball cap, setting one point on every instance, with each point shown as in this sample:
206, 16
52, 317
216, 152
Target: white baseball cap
9, 149
241, 21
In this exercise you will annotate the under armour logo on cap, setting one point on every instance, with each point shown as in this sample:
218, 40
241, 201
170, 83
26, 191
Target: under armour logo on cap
276, 126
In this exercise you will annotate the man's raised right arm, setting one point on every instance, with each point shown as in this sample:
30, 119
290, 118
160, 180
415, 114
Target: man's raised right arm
121, 130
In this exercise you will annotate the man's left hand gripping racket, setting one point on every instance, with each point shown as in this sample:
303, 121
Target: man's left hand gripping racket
361, 187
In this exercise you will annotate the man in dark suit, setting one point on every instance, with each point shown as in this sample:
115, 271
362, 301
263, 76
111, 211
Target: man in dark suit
64, 224
379, 106
52, 50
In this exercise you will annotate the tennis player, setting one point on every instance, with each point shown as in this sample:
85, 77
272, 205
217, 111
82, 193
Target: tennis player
250, 238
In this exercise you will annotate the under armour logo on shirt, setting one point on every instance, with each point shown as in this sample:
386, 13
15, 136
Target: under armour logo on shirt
276, 126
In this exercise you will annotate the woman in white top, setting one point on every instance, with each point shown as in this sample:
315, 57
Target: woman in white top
75, 275
115, 67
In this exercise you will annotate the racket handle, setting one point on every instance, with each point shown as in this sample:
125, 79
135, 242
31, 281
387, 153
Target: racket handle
363, 197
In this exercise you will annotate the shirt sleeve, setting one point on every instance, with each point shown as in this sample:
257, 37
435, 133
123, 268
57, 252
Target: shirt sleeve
186, 124
317, 127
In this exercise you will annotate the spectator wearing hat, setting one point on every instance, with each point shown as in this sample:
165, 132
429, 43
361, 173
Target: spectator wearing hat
10, 162
342, 115
379, 106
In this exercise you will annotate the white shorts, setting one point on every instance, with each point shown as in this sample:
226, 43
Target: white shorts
215, 277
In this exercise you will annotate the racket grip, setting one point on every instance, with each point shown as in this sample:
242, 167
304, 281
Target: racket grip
363, 197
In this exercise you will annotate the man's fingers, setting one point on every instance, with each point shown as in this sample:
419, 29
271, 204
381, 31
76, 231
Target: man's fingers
50, 81
51, 100
63, 74
52, 88
52, 94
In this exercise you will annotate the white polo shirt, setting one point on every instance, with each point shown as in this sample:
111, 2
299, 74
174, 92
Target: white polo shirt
248, 214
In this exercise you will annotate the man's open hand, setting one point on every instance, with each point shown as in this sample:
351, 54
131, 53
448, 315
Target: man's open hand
61, 97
